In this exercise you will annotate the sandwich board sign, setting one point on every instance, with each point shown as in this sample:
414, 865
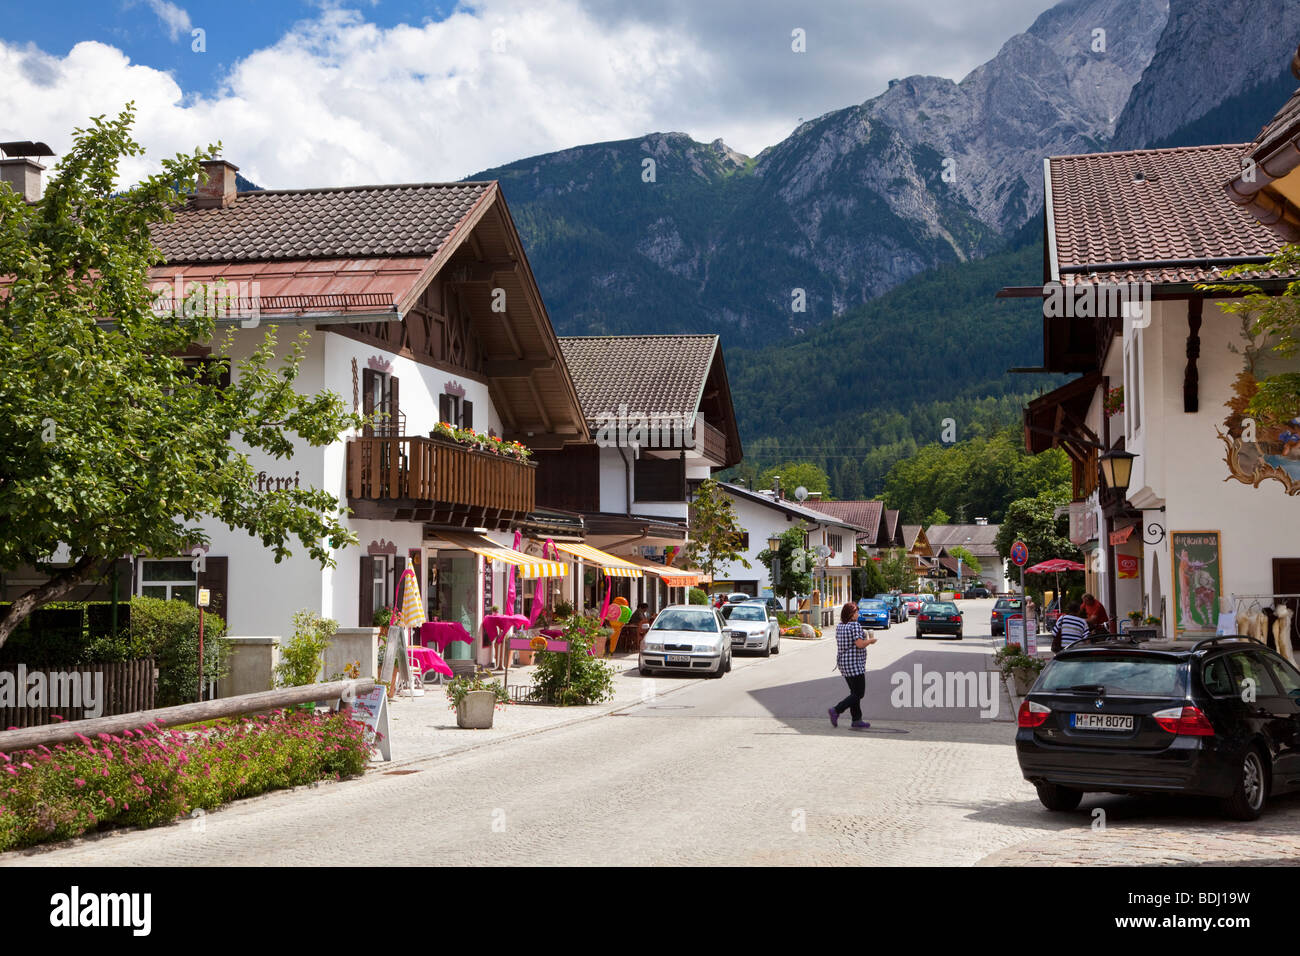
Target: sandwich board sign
371, 708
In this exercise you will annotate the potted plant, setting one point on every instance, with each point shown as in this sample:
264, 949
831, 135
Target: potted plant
474, 699
1019, 666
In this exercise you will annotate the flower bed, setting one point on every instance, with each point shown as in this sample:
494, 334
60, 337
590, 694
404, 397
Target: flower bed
480, 440
152, 776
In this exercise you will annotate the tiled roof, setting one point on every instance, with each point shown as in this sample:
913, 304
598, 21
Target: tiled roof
910, 533
864, 514
979, 539
650, 374
801, 510
347, 223
891, 522
1152, 204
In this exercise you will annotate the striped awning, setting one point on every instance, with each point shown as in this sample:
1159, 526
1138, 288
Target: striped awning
611, 565
673, 577
530, 566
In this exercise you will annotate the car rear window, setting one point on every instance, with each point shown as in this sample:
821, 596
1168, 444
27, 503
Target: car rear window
1119, 674
1007, 602
941, 607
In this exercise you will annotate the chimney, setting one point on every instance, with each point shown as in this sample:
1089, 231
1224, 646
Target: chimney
23, 176
217, 190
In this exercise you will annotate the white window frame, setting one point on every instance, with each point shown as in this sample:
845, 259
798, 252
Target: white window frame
142, 582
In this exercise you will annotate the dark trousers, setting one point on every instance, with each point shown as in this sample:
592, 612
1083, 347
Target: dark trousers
857, 690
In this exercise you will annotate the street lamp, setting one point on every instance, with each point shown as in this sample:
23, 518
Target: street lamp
774, 548
1117, 470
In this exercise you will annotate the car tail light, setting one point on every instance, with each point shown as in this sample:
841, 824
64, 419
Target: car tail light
1032, 714
957, 618
923, 617
1188, 720
996, 615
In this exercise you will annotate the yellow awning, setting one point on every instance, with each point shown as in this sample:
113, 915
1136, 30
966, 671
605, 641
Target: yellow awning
612, 566
530, 566
673, 577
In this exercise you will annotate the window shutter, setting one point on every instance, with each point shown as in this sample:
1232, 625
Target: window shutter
444, 409
368, 398
394, 422
466, 414
214, 578
366, 606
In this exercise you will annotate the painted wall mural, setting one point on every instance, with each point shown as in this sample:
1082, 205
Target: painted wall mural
1258, 449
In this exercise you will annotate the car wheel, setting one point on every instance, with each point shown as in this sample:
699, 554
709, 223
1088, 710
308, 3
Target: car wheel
1251, 791
776, 649
646, 672
919, 633
959, 635
767, 647
1058, 798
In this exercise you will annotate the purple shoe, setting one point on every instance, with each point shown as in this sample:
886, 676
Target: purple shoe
860, 725
835, 718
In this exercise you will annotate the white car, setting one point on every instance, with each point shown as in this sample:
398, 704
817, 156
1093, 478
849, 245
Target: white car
752, 627
687, 638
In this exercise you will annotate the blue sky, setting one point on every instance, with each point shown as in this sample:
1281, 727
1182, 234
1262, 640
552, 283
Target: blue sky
332, 92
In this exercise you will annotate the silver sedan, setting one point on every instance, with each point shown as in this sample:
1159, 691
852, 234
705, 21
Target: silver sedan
752, 627
687, 638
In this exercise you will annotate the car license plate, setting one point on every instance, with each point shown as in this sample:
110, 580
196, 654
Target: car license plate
678, 658
738, 637
1103, 721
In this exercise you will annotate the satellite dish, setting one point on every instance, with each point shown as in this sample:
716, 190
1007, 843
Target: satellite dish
823, 551
801, 492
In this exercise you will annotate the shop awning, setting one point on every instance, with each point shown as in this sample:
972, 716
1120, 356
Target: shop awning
612, 566
530, 566
673, 577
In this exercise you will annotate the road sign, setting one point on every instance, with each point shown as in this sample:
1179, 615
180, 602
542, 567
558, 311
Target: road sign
1019, 554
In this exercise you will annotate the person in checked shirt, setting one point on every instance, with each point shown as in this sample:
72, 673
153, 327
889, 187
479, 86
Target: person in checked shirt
851, 645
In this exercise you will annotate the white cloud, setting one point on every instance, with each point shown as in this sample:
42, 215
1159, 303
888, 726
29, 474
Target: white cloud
338, 100
174, 19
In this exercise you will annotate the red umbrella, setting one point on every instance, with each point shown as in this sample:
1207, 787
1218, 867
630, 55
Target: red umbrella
1055, 566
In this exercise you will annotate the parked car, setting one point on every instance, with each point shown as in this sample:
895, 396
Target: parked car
939, 617
873, 612
913, 603
687, 638
753, 627
730, 597
897, 610
1003, 608
977, 591
773, 606
1113, 716
1050, 615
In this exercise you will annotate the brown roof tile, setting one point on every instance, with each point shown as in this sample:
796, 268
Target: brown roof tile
352, 222
979, 539
864, 514
650, 374
1152, 204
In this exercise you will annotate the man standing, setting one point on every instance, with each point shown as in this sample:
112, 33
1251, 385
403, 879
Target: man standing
1070, 627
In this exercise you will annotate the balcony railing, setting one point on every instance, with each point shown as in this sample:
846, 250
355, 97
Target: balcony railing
715, 443
422, 474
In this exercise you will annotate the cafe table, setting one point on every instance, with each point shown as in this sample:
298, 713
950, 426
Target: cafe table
442, 634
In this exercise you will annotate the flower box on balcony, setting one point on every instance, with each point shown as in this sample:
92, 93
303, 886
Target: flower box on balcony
479, 441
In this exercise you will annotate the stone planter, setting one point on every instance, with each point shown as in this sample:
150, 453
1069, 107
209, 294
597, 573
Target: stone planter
1024, 678
475, 710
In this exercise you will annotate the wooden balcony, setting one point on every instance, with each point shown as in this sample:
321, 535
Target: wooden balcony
715, 443
429, 479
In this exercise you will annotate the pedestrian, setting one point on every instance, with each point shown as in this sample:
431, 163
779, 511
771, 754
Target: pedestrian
1095, 612
1070, 627
851, 645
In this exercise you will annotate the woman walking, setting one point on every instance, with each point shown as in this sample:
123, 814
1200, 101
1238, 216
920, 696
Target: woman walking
851, 659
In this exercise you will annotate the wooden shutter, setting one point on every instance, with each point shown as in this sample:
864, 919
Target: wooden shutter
214, 578
368, 398
466, 414
393, 425
444, 409
366, 605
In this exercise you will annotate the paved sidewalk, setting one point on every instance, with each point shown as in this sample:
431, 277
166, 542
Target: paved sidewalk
425, 727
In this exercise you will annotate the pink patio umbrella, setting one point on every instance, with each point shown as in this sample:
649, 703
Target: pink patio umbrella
1055, 566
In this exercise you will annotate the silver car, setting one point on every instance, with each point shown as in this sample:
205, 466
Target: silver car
686, 638
752, 627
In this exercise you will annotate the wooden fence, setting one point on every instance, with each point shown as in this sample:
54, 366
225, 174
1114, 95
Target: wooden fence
119, 688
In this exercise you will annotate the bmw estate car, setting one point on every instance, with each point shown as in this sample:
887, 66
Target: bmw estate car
1217, 718
752, 628
687, 638
874, 613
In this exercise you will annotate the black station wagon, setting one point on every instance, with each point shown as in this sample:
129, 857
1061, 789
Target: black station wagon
1219, 717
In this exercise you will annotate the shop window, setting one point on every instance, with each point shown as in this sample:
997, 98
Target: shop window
170, 580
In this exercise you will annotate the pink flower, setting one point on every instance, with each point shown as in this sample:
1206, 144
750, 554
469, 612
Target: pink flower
83, 738
56, 716
79, 782
104, 737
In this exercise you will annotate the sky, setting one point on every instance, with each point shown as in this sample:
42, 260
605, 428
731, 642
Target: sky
335, 93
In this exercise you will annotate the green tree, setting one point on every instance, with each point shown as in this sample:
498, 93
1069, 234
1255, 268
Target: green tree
795, 474
796, 566
970, 565
715, 532
1031, 520
897, 571
109, 444
937, 516
867, 579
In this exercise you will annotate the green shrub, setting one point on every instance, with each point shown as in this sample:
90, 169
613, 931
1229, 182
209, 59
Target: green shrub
67, 634
168, 631
303, 657
697, 596
576, 677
